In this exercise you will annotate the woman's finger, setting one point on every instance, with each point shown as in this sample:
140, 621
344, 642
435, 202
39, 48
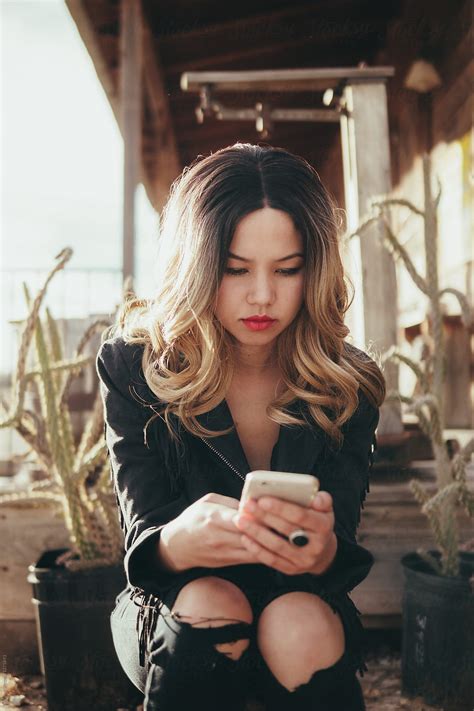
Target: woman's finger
294, 515
221, 499
226, 520
322, 501
229, 541
278, 524
273, 546
269, 557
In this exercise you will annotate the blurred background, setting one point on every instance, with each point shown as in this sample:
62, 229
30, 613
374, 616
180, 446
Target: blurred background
62, 176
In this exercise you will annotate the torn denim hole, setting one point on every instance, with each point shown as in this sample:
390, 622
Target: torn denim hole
330, 689
150, 609
232, 632
186, 670
335, 687
189, 648
328, 678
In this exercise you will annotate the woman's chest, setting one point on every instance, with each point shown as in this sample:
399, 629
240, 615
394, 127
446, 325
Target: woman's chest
257, 433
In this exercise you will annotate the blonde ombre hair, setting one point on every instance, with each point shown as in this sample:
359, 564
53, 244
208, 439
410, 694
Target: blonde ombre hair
187, 358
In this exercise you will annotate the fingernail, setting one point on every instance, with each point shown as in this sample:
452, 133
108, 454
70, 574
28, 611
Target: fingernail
251, 506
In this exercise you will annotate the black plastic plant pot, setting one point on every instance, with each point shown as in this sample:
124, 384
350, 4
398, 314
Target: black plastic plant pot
438, 633
77, 655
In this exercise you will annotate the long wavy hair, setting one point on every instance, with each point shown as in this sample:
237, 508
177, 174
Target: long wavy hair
187, 357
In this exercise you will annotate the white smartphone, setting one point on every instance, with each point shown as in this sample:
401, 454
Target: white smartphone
297, 488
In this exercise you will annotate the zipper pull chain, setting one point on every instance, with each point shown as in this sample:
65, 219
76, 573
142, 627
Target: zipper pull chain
216, 451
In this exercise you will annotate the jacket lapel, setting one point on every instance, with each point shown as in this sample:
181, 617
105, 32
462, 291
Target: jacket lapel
296, 450
229, 445
298, 447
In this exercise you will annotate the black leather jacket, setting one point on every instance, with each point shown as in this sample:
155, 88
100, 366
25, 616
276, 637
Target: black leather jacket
155, 481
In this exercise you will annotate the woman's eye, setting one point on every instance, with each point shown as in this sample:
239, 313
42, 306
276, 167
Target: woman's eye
284, 272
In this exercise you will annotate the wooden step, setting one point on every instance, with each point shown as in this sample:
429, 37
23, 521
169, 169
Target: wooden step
392, 525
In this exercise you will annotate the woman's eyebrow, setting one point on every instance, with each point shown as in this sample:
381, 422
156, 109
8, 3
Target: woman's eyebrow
282, 259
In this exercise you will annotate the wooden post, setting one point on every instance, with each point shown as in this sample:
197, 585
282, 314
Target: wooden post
131, 53
351, 254
458, 412
366, 162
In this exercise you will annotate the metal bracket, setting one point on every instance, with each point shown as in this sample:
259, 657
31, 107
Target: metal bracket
265, 115
335, 97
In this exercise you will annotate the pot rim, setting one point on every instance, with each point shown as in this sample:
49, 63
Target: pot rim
414, 565
50, 571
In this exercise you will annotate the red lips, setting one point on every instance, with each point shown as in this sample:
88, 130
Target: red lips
259, 319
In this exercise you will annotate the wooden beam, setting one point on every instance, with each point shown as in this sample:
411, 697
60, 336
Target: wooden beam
324, 16
366, 160
131, 54
308, 79
212, 129
220, 46
93, 45
263, 55
167, 159
243, 53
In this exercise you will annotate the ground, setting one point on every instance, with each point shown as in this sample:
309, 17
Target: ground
381, 683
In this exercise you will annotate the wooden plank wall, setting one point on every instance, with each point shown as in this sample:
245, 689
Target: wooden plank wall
441, 123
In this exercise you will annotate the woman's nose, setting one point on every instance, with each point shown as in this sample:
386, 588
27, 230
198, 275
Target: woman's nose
261, 291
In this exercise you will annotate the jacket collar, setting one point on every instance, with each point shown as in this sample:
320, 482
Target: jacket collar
297, 449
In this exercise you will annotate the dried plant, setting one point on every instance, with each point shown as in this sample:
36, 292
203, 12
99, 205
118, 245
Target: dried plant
77, 477
451, 486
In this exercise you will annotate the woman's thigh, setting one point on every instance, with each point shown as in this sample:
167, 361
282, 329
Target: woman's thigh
123, 623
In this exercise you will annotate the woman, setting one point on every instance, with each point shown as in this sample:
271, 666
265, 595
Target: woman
197, 393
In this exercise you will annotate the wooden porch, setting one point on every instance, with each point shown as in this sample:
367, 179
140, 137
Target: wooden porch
391, 526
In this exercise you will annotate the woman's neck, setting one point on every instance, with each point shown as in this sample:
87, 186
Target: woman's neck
254, 363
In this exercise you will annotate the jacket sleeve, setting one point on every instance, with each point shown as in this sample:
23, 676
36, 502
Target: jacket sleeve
345, 475
138, 470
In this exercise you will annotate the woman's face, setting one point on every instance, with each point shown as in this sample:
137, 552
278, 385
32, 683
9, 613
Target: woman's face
263, 282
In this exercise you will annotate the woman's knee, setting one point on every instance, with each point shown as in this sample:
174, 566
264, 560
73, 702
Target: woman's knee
211, 601
314, 637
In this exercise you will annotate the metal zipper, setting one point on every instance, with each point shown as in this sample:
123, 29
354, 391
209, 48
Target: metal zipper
223, 458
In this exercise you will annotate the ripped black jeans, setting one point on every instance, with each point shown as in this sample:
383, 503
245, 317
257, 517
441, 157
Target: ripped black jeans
179, 667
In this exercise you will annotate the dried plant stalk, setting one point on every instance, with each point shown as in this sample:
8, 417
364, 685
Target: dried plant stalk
452, 490
87, 502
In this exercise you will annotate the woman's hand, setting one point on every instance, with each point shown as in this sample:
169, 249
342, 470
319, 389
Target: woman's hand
205, 535
284, 517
